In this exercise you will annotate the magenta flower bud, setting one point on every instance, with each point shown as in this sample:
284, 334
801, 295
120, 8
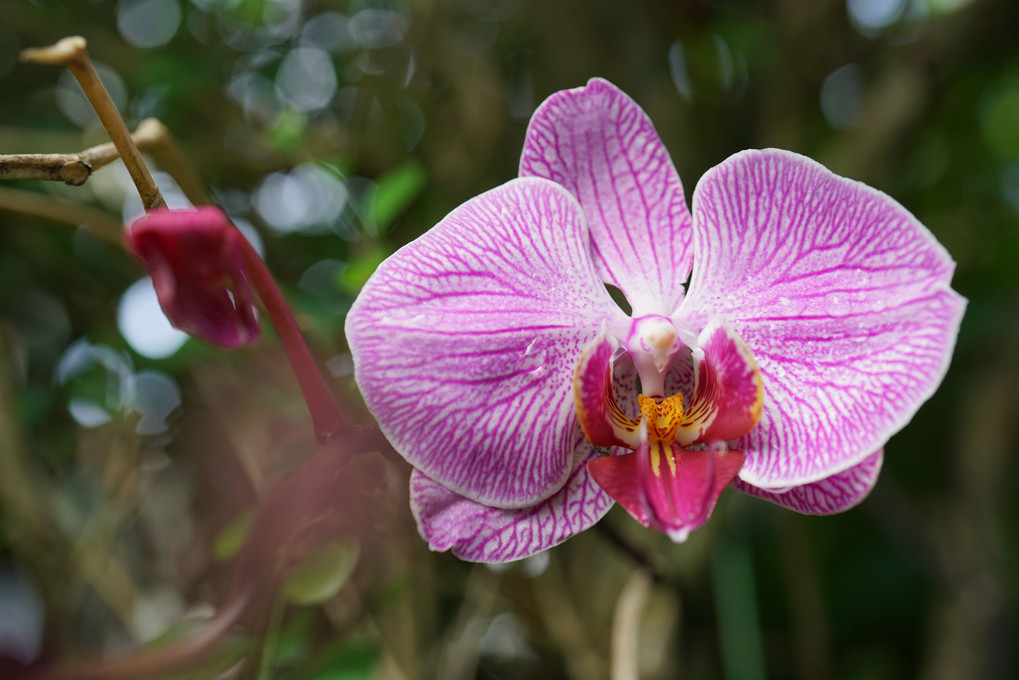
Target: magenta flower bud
197, 262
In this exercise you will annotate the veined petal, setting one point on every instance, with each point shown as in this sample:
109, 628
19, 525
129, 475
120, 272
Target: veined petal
843, 298
601, 146
601, 418
665, 487
465, 342
480, 533
728, 394
828, 496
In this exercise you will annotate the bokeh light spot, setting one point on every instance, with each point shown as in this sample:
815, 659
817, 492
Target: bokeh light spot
306, 79
329, 32
72, 102
871, 16
155, 396
257, 95
378, 28
142, 323
21, 618
1010, 184
678, 71
98, 379
309, 198
148, 23
840, 96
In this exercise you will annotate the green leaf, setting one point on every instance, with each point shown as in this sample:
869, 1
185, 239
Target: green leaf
230, 540
395, 192
320, 575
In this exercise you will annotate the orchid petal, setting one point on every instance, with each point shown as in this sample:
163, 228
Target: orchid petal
480, 533
601, 146
827, 496
727, 395
465, 342
843, 298
601, 418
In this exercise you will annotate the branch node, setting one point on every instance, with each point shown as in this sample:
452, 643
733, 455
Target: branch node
75, 172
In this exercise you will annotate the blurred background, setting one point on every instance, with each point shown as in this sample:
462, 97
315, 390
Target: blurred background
132, 459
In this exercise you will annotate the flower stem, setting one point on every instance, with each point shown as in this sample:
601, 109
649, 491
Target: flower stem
71, 52
74, 215
325, 415
179, 655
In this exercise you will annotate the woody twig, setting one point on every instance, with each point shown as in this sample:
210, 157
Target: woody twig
75, 168
71, 52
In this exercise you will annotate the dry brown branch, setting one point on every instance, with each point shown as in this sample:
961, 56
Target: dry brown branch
76, 168
155, 138
71, 52
69, 168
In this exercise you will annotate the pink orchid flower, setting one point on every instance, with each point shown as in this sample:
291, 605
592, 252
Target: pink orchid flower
818, 317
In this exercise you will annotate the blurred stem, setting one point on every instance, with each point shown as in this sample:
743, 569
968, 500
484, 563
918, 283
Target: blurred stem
236, 429
324, 413
809, 625
71, 52
93, 554
626, 626
29, 521
25, 517
459, 659
736, 602
26, 509
56, 209
178, 655
584, 661
262, 665
94, 560
650, 563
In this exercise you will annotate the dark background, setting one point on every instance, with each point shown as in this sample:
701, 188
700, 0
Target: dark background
340, 130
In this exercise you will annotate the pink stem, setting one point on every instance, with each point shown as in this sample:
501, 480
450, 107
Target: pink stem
176, 656
325, 415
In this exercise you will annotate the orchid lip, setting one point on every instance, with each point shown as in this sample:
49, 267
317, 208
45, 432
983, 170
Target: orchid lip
681, 461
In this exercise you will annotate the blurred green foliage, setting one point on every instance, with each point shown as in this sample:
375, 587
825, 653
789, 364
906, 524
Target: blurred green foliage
339, 130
